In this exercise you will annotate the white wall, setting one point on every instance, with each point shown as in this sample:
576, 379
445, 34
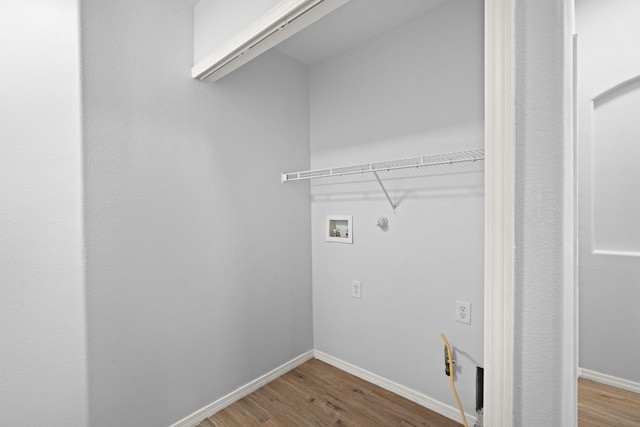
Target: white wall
544, 323
417, 89
42, 328
608, 132
198, 257
217, 21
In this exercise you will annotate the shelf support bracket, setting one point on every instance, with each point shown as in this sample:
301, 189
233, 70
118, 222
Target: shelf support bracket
393, 206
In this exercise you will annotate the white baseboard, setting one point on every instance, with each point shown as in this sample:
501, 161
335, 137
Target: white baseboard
410, 394
609, 380
205, 412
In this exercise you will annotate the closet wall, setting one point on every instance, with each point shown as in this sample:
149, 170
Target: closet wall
42, 324
415, 90
198, 258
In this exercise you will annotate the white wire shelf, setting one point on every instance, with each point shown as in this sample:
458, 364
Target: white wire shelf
442, 162
454, 162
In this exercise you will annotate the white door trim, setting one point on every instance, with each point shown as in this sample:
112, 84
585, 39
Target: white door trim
499, 212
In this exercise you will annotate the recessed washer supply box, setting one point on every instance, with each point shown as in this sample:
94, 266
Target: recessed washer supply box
339, 228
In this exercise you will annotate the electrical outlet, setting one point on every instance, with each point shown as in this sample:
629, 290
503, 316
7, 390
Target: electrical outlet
356, 289
463, 312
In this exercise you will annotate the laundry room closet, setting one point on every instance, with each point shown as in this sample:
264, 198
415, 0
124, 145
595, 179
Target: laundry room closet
185, 224
389, 84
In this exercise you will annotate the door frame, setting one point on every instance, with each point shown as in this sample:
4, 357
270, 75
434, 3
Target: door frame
499, 137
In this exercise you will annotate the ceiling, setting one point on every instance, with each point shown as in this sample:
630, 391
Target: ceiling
349, 25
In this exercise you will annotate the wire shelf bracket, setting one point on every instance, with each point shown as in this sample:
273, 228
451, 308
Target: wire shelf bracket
393, 205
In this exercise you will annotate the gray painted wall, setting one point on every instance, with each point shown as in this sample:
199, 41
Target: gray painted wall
415, 90
608, 36
42, 327
187, 299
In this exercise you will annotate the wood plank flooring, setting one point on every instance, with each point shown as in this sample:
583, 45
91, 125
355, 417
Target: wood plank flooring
602, 405
317, 394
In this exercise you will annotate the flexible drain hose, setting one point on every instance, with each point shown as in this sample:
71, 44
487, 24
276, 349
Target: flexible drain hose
453, 387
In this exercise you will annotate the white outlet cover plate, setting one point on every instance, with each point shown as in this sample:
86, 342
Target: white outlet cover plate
356, 289
463, 312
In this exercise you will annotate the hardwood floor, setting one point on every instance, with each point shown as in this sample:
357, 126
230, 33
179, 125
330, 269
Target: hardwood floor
317, 394
602, 405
